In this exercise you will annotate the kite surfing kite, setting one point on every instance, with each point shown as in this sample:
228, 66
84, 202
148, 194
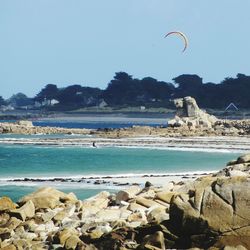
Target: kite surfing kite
181, 35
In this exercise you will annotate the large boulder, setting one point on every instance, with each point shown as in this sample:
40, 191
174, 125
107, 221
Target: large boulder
214, 206
239, 167
6, 204
47, 197
26, 211
127, 194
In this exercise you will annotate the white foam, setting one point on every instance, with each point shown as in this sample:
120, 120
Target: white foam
108, 177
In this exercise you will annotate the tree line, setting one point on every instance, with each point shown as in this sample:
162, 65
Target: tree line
124, 90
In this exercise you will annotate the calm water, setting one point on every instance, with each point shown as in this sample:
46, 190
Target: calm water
34, 161
93, 125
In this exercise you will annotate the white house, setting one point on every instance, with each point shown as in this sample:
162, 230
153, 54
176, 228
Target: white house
231, 107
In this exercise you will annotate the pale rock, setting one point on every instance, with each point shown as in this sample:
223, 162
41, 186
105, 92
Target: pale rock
86, 226
95, 234
138, 216
157, 215
124, 203
25, 123
6, 204
163, 203
22, 244
238, 247
216, 204
167, 187
134, 224
88, 212
45, 197
165, 196
147, 202
50, 214
13, 223
9, 247
5, 233
67, 222
134, 207
100, 201
71, 242
244, 158
26, 211
29, 235
127, 194
30, 225
4, 218
234, 173
66, 213
50, 227
78, 205
125, 214
189, 116
65, 234
70, 198
154, 240
19, 230
108, 215
148, 194
106, 228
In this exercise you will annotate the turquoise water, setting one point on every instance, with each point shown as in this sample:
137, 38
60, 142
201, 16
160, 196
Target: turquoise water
36, 161
16, 192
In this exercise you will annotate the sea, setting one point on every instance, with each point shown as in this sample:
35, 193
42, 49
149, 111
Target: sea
18, 162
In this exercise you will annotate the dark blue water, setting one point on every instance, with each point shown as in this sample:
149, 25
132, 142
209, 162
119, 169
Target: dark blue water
93, 125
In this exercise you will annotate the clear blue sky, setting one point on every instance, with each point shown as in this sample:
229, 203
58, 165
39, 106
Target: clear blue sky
85, 42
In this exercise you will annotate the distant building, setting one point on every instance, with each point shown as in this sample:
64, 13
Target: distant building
6, 108
231, 107
37, 104
142, 107
45, 102
102, 104
53, 102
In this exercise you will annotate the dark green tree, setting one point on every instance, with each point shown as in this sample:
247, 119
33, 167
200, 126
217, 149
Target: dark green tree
2, 101
49, 92
20, 99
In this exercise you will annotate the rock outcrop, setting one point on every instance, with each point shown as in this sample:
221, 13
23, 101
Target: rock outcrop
190, 115
26, 127
211, 212
190, 118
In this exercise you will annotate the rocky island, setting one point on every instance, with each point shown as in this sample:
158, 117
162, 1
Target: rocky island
211, 212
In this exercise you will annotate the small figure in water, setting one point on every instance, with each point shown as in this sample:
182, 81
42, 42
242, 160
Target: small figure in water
94, 145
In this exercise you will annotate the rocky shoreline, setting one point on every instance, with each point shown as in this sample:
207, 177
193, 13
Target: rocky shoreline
210, 212
189, 121
27, 128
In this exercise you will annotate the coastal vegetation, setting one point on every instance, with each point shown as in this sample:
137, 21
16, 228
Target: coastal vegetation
125, 91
